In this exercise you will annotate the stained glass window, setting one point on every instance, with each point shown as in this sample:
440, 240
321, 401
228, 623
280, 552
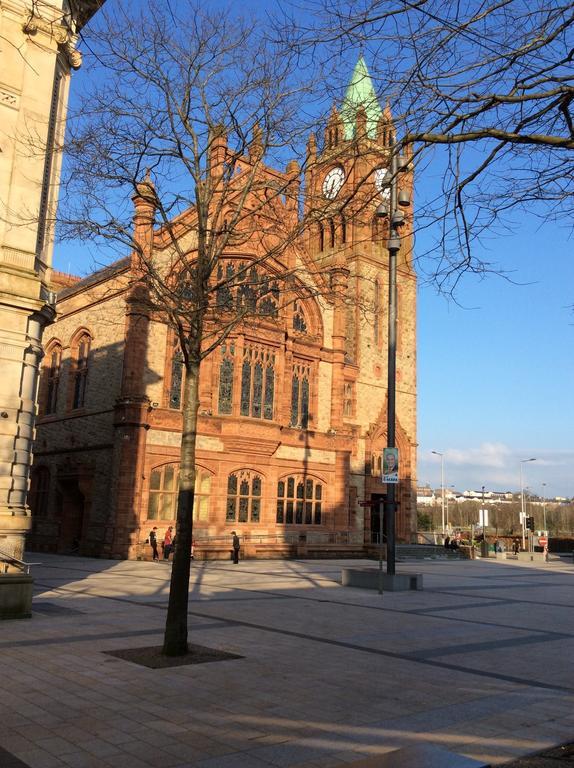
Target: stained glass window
257, 383
176, 380
243, 497
299, 323
245, 386
257, 390
299, 501
226, 379
300, 395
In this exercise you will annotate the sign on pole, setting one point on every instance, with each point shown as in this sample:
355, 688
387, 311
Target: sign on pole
483, 518
390, 465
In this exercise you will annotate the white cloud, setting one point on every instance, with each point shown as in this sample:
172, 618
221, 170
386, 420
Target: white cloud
497, 467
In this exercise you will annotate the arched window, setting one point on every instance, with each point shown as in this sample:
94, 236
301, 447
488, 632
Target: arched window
243, 497
257, 382
300, 395
299, 323
299, 501
321, 237
343, 228
177, 373
81, 355
226, 378
164, 488
51, 380
332, 231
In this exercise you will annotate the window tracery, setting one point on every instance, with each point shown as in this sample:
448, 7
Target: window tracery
226, 368
257, 382
300, 395
164, 489
299, 323
52, 368
177, 374
243, 497
299, 501
80, 370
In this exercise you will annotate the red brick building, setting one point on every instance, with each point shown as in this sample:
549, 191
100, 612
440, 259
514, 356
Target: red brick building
292, 414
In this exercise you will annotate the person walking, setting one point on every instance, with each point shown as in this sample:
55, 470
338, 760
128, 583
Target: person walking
236, 547
167, 543
153, 543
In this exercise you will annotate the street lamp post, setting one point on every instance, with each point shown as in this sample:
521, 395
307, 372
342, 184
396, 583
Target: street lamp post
438, 453
522, 510
447, 516
396, 216
544, 508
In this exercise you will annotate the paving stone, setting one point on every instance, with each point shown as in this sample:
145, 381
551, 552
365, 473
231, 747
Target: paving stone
328, 678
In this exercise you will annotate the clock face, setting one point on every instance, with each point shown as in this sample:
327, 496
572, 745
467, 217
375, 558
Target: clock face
383, 182
333, 183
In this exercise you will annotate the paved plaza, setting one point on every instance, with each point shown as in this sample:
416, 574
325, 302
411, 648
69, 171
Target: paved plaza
480, 662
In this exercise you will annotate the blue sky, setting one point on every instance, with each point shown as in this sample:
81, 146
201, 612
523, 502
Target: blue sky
495, 373
495, 367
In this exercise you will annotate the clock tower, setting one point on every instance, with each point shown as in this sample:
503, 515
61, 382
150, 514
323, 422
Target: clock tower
347, 182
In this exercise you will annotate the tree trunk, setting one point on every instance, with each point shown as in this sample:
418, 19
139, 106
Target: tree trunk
175, 638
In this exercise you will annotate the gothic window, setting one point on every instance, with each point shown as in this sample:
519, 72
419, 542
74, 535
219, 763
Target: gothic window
321, 238
226, 378
176, 384
300, 395
163, 493
257, 382
332, 232
343, 228
299, 323
80, 371
51, 375
243, 497
39, 491
348, 399
299, 501
224, 298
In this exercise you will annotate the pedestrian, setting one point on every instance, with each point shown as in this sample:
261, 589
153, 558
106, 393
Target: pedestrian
546, 553
236, 546
153, 543
167, 545
515, 546
447, 542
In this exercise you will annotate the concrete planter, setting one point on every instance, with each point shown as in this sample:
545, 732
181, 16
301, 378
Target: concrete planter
15, 596
371, 578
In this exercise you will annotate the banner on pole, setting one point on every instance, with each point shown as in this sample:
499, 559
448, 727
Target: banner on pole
390, 465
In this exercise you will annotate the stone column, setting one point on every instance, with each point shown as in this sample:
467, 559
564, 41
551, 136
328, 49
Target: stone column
20, 356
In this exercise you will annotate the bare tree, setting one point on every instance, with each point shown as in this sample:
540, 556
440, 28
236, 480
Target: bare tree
188, 109
490, 83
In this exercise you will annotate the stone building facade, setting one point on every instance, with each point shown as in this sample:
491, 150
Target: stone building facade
292, 416
37, 54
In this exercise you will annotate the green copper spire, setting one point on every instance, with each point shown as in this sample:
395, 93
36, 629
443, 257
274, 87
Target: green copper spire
360, 93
